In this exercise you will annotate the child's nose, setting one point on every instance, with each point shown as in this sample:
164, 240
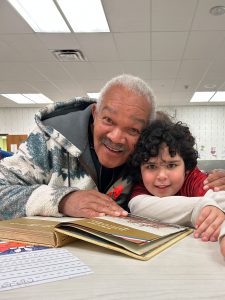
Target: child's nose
162, 174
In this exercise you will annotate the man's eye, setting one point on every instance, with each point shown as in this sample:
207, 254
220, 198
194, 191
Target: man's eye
134, 131
107, 120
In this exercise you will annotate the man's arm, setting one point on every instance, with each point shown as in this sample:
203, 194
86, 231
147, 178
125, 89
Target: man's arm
90, 204
24, 182
32, 182
215, 180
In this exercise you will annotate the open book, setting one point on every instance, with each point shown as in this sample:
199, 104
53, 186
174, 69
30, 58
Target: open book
135, 236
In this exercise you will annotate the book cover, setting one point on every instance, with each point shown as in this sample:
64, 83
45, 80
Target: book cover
135, 236
16, 247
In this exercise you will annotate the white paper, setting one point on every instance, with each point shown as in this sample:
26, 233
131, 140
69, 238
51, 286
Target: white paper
36, 267
13, 148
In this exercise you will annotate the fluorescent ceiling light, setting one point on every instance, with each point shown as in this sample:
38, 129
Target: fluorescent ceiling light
202, 96
84, 15
218, 97
28, 98
94, 95
41, 15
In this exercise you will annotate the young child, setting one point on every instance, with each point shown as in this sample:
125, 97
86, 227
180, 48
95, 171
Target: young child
169, 186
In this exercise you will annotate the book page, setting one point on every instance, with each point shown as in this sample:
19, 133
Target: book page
146, 224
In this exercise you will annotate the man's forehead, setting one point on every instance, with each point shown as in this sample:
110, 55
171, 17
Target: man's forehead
133, 117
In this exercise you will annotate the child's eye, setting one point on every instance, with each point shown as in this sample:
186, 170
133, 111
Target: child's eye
151, 167
171, 166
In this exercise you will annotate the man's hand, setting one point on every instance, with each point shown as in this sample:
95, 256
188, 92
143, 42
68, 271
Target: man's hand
208, 223
215, 180
90, 204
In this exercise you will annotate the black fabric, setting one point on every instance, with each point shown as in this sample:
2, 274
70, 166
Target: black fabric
81, 104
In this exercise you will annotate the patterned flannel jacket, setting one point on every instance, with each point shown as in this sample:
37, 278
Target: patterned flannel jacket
54, 161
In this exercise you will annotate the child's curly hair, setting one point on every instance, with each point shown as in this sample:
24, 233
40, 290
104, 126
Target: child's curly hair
176, 136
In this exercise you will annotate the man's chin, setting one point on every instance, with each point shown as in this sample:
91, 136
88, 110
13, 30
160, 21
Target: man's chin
111, 163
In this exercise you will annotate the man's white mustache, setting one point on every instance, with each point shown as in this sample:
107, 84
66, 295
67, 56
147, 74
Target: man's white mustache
113, 146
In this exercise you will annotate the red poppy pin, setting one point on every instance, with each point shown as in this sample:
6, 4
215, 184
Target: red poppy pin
117, 190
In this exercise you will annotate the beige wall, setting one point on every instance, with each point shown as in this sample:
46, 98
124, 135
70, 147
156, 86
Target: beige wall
207, 124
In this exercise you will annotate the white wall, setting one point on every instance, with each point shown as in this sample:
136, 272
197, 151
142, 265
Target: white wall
206, 123
17, 120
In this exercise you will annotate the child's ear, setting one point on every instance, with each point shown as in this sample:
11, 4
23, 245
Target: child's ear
187, 172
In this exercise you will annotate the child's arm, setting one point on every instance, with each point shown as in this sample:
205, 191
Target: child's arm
177, 209
173, 209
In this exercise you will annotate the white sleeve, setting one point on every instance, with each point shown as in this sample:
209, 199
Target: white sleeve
175, 209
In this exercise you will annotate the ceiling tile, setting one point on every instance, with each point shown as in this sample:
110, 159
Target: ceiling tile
28, 47
11, 21
162, 86
203, 44
172, 15
181, 98
80, 70
18, 71
195, 68
133, 46
164, 69
176, 46
127, 15
55, 41
186, 84
69, 89
98, 46
137, 68
204, 20
107, 69
91, 85
51, 70
15, 86
168, 45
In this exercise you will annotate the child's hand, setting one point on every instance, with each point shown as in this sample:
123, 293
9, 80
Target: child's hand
208, 223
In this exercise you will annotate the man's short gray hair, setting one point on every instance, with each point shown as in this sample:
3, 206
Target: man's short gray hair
134, 84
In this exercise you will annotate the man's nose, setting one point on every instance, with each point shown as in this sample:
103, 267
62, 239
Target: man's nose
116, 135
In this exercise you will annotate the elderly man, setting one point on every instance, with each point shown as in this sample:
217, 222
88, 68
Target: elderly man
76, 157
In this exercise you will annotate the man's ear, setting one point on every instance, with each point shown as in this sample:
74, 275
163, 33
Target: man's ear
94, 110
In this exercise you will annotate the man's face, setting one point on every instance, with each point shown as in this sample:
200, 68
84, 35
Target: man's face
118, 123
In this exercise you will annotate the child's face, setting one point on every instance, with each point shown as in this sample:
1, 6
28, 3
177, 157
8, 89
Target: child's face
163, 175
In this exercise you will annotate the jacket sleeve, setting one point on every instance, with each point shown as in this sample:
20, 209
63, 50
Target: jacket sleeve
25, 179
175, 209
